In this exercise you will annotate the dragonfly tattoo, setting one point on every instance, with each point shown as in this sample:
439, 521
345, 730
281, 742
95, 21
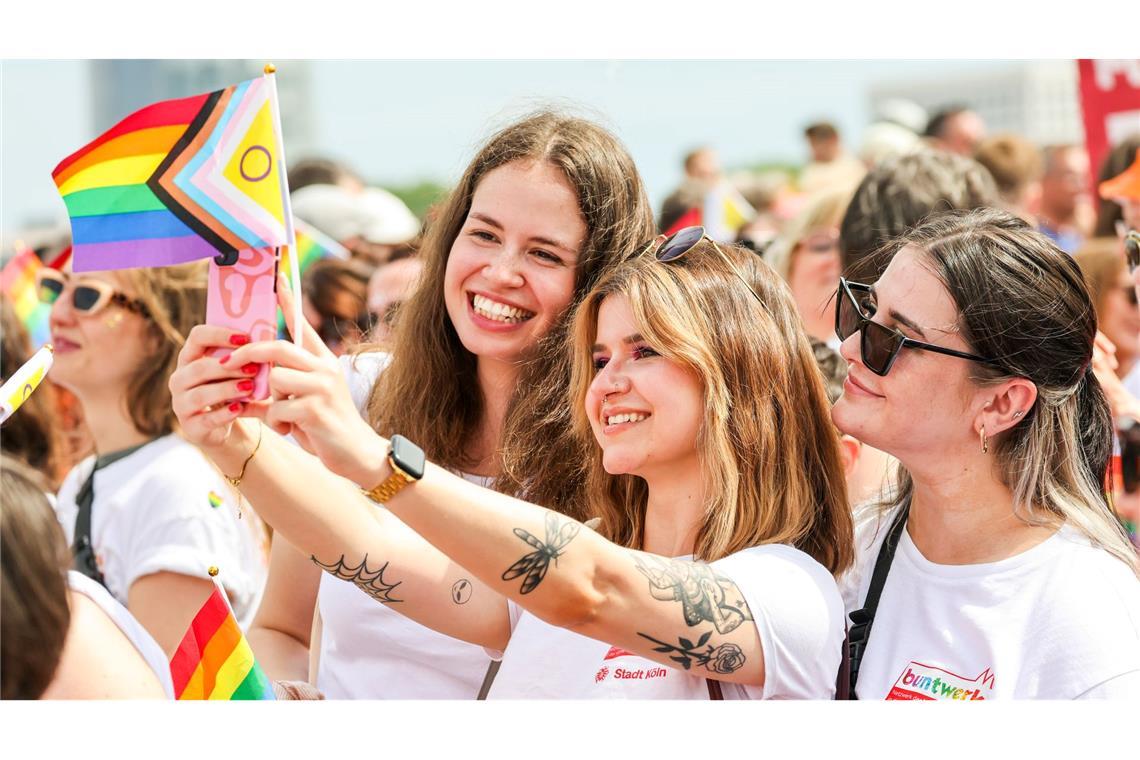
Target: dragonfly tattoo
534, 565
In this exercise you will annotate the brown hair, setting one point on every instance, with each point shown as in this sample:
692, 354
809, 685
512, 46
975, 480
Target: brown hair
1022, 300
1013, 162
32, 434
767, 444
900, 191
1101, 261
338, 290
34, 616
430, 392
176, 299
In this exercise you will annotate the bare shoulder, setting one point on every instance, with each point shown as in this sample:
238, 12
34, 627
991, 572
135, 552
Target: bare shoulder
98, 661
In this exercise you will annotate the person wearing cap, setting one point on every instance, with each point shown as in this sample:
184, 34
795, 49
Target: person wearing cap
370, 223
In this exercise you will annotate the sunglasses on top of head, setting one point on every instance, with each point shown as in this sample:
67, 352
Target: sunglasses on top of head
681, 242
88, 297
879, 345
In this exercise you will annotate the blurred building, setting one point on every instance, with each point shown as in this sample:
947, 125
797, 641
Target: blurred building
1036, 99
119, 87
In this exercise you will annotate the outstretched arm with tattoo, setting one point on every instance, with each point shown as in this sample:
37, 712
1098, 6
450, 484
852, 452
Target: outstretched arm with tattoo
552, 566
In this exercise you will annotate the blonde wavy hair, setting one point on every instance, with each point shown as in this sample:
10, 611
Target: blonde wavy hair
766, 444
825, 210
176, 299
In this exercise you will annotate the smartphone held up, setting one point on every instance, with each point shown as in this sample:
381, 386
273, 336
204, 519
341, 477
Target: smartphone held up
243, 296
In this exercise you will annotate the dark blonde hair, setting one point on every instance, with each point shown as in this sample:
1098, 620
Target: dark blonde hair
176, 299
430, 392
767, 444
1023, 301
34, 615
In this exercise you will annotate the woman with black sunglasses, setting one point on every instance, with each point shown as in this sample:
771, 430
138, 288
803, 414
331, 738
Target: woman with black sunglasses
997, 569
722, 513
147, 514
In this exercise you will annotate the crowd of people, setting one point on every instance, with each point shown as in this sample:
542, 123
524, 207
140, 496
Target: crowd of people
544, 442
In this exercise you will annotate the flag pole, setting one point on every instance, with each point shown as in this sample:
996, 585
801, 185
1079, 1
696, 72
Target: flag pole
213, 571
290, 234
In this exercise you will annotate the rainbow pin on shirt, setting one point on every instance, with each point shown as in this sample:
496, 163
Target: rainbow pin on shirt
24, 382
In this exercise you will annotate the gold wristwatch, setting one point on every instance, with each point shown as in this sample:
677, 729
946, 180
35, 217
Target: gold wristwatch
407, 462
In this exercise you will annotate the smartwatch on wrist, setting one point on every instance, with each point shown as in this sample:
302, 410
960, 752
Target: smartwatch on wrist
407, 462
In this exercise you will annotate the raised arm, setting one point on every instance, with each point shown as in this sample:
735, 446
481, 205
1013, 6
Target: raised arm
322, 514
677, 612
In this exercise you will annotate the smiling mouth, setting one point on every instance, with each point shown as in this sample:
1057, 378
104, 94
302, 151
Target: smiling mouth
498, 312
622, 419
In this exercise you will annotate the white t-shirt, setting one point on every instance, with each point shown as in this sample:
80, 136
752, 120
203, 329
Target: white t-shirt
1059, 621
147, 647
368, 651
165, 508
798, 612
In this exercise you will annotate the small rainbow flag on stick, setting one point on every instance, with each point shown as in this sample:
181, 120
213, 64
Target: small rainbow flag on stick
181, 180
18, 283
214, 660
312, 245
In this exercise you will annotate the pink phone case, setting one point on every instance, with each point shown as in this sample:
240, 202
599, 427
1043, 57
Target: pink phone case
244, 297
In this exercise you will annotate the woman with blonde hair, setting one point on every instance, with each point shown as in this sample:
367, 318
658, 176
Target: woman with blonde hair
997, 569
147, 514
806, 254
477, 373
722, 509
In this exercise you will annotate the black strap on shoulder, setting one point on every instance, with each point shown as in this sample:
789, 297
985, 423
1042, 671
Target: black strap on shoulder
714, 689
862, 619
82, 550
492, 671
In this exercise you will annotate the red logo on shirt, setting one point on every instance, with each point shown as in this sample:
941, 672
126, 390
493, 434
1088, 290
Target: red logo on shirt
927, 682
601, 674
618, 652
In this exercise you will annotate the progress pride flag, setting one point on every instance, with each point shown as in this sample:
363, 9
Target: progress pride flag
1110, 101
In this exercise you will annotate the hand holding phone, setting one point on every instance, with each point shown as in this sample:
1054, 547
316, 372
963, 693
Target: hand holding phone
243, 296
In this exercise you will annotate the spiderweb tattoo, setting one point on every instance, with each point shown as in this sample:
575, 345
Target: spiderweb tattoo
370, 581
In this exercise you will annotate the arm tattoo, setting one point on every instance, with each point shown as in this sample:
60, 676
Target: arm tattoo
370, 581
461, 591
705, 596
559, 532
722, 659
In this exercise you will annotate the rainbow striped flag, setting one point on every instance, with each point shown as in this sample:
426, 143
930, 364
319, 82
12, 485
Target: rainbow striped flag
312, 245
18, 284
180, 180
214, 660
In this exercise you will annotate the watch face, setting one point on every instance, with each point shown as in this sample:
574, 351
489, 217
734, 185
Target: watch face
408, 457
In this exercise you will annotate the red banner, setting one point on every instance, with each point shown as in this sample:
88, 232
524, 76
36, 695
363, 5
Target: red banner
1110, 101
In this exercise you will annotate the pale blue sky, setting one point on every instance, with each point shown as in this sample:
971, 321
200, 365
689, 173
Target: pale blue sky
399, 121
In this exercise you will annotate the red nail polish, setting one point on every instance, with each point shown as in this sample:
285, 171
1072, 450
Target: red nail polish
235, 406
245, 385
239, 340
224, 359
250, 369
